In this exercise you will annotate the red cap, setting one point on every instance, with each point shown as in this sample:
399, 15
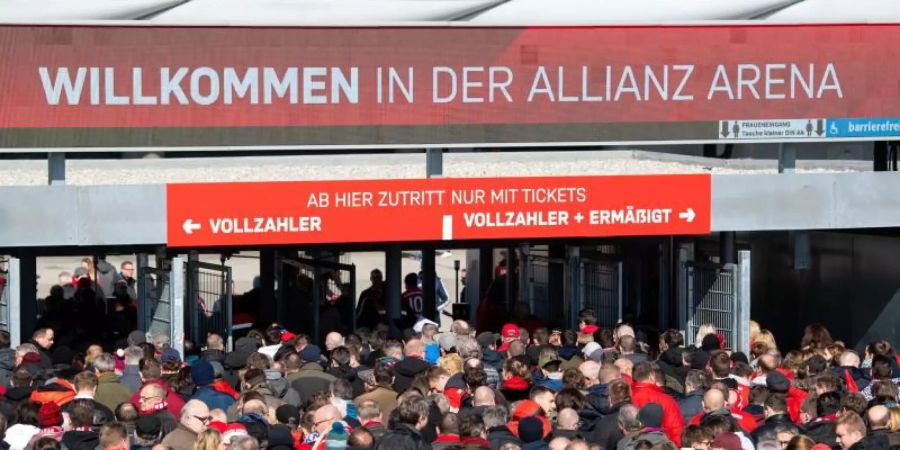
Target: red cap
510, 330
589, 329
218, 426
287, 336
50, 415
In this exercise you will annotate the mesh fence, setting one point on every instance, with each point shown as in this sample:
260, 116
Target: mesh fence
712, 299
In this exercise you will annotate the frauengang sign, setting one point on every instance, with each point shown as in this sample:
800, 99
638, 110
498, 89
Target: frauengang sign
71, 86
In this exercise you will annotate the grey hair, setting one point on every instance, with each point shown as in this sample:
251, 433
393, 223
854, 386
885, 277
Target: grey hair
628, 418
243, 443
495, 416
104, 362
768, 445
160, 340
24, 349
133, 355
468, 348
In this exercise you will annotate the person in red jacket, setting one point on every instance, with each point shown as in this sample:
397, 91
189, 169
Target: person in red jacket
715, 404
779, 384
647, 378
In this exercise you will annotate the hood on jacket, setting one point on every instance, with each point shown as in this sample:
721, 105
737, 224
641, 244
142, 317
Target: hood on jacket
598, 398
7, 359
411, 367
278, 387
243, 348
18, 394
80, 440
672, 357
492, 358
568, 353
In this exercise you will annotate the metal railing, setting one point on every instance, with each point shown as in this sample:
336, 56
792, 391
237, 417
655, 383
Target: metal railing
601, 289
161, 301
719, 295
209, 291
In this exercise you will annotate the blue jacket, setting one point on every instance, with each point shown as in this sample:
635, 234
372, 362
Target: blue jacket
213, 398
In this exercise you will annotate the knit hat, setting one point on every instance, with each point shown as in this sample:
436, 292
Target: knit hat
136, 337
726, 441
50, 415
447, 341
170, 354
486, 339
531, 429
288, 415
651, 415
233, 430
311, 353
218, 426
31, 358
202, 373
777, 383
510, 330
147, 427
590, 348
287, 336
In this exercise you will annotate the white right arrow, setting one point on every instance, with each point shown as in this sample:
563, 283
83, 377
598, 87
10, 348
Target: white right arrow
189, 226
687, 215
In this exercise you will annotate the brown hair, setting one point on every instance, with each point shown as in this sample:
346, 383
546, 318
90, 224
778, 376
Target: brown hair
816, 336
800, 442
515, 367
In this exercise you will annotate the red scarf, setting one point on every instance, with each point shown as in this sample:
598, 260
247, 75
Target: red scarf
155, 408
516, 383
851, 383
825, 418
86, 429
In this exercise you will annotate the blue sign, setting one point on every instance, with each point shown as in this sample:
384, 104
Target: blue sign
878, 127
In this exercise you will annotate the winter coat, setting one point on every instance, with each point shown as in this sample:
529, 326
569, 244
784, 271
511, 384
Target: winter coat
515, 389
571, 358
822, 430
690, 405
181, 438
493, 359
213, 398
673, 423
211, 355
7, 365
671, 365
46, 360
498, 436
11, 400
80, 440
606, 430
402, 437
281, 389
445, 440
310, 380
102, 414
768, 427
106, 279
649, 434
237, 360
167, 421
18, 435
554, 384
131, 378
111, 392
406, 370
384, 397
350, 374
794, 400
597, 399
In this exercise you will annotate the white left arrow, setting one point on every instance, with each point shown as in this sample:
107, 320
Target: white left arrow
686, 215
189, 226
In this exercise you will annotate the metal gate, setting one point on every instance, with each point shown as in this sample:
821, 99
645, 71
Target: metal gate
718, 295
209, 294
4, 294
161, 301
304, 285
600, 288
537, 292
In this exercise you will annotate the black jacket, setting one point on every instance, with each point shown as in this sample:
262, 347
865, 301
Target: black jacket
11, 400
406, 370
671, 365
597, 398
80, 440
606, 430
501, 435
102, 414
352, 376
690, 405
403, 436
7, 365
881, 440
492, 358
768, 427
823, 432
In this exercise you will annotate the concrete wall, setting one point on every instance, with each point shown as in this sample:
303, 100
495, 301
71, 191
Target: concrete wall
852, 285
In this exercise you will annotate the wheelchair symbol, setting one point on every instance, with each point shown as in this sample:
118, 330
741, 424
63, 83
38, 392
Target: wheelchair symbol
833, 129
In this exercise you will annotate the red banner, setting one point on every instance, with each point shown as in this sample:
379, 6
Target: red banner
231, 214
414, 85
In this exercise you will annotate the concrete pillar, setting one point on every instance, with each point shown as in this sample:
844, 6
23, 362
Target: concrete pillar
393, 285
267, 311
429, 299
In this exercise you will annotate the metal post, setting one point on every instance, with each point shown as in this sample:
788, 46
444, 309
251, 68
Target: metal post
685, 254
14, 287
880, 156
392, 280
176, 328
456, 298
727, 252
434, 162
141, 262
787, 158
355, 295
429, 286
27, 295
56, 168
266, 312
620, 268
744, 300
193, 298
229, 283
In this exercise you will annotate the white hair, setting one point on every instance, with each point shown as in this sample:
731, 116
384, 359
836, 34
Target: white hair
104, 362
705, 330
25, 349
133, 355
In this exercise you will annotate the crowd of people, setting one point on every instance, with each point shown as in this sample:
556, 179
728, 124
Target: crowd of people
526, 387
